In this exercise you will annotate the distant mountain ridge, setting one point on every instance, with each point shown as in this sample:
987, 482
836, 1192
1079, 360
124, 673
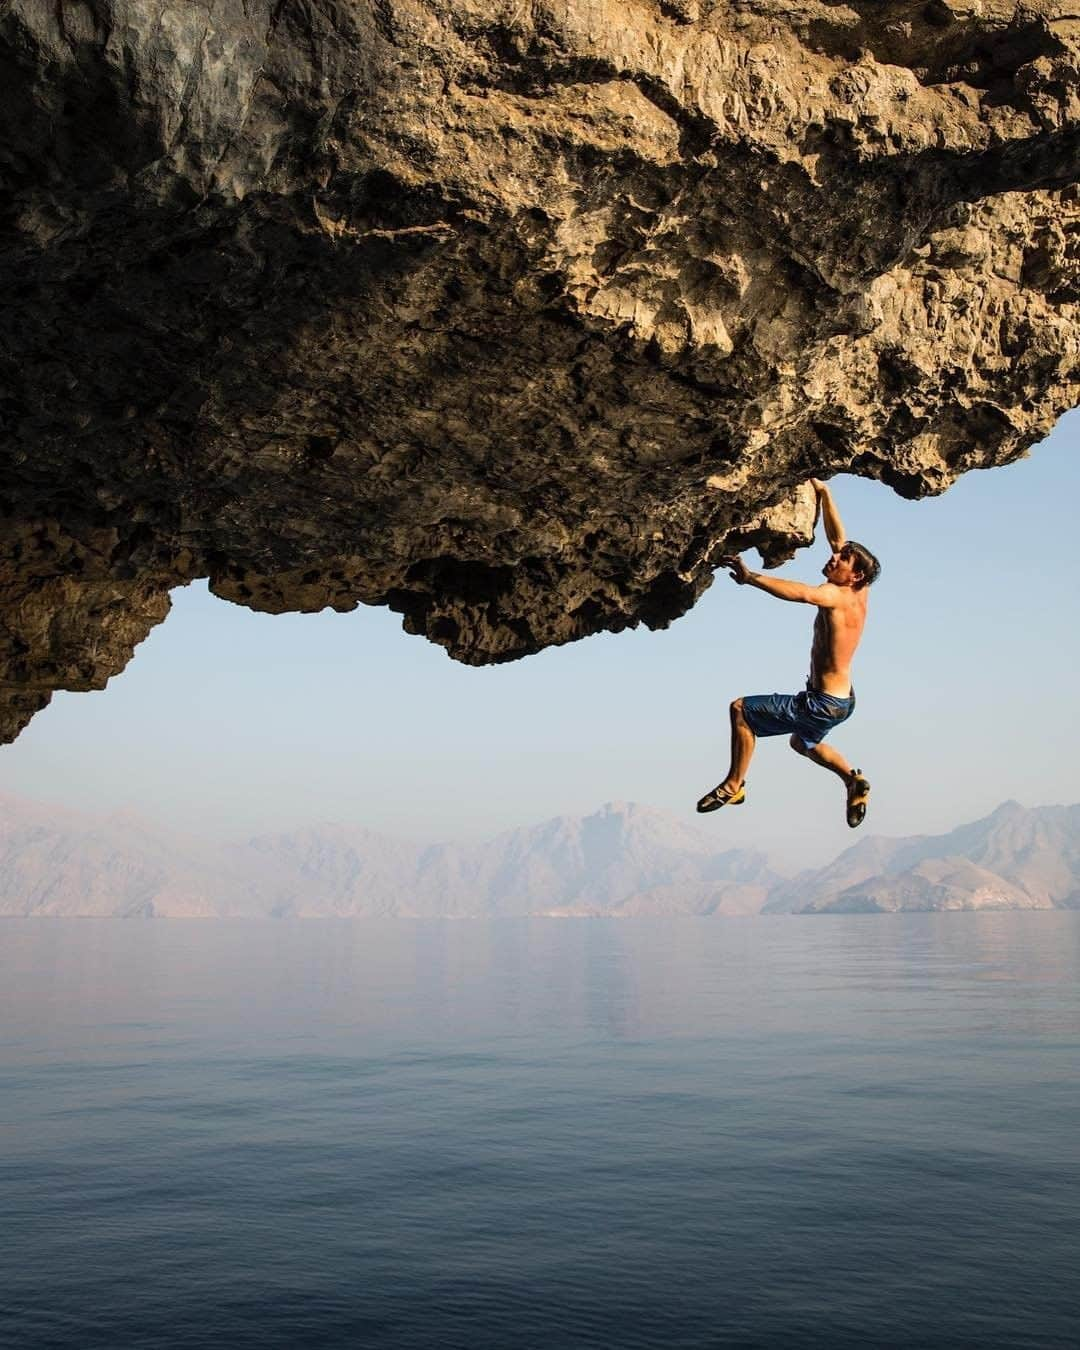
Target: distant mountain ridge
623, 860
1015, 858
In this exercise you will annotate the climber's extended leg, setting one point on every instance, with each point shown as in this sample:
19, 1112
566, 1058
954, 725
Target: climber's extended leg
732, 791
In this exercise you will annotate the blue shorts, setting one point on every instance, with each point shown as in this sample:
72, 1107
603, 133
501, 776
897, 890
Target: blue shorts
810, 715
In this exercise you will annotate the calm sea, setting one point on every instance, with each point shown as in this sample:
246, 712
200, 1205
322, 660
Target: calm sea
840, 1132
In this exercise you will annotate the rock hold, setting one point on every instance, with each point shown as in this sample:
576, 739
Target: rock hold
512, 318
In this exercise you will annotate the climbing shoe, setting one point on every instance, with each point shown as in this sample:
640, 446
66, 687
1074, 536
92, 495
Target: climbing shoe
718, 797
858, 798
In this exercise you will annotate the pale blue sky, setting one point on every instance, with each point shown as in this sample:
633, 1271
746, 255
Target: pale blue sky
231, 721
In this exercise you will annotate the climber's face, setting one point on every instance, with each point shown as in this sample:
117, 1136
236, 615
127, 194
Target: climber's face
843, 568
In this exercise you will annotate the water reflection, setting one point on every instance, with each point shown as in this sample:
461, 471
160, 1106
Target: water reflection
113, 984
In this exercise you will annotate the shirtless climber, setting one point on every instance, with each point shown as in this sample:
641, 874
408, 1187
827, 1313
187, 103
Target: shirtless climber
829, 697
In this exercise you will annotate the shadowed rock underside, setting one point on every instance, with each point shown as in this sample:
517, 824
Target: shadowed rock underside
512, 317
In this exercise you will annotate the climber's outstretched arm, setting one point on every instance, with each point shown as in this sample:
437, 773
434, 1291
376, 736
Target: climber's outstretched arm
826, 596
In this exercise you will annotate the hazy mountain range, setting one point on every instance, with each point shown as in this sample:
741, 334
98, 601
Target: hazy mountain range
1014, 858
621, 861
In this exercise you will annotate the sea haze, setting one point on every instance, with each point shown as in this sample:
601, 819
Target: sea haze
622, 861
850, 1132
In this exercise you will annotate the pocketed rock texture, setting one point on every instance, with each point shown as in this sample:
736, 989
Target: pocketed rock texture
510, 316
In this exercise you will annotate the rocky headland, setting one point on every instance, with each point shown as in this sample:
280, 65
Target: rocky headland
509, 317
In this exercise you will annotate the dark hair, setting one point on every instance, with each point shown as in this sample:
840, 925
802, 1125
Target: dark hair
865, 561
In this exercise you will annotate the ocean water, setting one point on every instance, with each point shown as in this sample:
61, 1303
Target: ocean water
856, 1131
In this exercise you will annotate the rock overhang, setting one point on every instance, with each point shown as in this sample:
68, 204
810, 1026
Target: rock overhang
510, 318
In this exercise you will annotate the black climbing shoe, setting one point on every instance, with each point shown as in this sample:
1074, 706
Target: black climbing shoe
858, 798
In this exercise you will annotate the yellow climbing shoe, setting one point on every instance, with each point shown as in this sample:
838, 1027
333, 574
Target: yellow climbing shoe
714, 800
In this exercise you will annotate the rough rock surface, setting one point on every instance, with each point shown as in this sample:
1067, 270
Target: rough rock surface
511, 316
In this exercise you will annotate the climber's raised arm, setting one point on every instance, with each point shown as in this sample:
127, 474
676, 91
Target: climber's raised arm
830, 517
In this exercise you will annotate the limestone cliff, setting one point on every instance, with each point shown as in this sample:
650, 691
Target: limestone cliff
510, 316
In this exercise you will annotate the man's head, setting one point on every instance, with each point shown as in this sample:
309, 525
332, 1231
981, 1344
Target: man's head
852, 565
